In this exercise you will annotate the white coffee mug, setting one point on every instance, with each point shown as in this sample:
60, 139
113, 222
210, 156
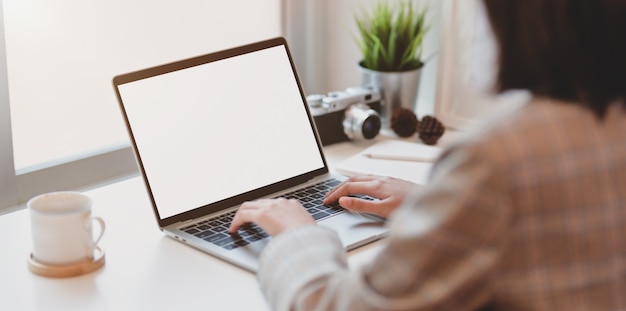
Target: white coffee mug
61, 225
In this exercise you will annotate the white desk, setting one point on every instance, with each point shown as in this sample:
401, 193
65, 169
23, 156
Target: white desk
144, 270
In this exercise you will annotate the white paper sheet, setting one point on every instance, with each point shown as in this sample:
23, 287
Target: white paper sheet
416, 170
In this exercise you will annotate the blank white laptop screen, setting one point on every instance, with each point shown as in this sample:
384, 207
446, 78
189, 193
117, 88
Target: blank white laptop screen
213, 131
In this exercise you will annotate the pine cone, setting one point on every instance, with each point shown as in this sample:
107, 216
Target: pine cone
430, 130
404, 122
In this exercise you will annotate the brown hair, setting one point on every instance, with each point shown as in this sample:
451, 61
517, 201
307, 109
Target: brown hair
572, 50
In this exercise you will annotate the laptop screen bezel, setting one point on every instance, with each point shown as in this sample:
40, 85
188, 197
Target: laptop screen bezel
200, 60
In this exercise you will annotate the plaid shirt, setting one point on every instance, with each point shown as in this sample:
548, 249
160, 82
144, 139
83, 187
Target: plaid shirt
528, 213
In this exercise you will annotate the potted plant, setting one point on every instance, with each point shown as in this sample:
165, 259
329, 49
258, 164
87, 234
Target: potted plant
391, 42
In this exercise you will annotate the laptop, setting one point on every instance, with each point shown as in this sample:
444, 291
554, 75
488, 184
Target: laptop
213, 131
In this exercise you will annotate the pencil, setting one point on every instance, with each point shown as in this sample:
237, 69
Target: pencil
399, 157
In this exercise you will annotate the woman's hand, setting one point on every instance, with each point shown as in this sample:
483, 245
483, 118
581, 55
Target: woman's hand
390, 191
274, 216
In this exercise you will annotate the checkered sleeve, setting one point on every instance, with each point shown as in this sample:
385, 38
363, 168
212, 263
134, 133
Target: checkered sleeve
443, 243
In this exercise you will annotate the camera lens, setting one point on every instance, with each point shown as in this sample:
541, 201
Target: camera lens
361, 122
371, 127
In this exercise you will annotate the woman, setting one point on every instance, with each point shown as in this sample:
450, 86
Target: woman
528, 214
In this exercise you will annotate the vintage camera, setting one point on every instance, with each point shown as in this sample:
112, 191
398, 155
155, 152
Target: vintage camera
352, 114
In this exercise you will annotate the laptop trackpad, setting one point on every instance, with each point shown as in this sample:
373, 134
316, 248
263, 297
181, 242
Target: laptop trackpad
355, 230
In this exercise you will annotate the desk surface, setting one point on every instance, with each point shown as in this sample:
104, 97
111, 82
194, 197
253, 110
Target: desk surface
144, 269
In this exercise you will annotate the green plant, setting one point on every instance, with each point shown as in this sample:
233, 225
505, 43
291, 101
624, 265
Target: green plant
391, 37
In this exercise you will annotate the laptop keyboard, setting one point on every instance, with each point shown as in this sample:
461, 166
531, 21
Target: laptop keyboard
215, 230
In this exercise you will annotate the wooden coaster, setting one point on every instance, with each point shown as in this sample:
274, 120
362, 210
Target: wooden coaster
76, 269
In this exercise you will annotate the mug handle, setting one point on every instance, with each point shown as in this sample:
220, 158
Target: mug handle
102, 227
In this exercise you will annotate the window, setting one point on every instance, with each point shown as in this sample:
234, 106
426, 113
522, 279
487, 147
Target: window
60, 127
